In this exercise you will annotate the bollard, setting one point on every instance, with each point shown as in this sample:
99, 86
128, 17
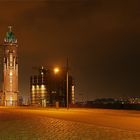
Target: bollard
57, 105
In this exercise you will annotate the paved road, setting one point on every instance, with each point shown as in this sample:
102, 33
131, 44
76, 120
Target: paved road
74, 124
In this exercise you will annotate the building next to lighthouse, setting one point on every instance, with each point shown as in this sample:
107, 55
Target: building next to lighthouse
10, 70
47, 88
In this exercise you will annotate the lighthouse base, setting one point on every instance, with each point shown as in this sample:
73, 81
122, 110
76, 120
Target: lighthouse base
11, 99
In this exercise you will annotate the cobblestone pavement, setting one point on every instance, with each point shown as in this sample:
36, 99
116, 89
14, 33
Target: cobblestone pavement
37, 127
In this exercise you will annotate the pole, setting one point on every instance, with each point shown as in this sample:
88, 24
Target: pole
67, 85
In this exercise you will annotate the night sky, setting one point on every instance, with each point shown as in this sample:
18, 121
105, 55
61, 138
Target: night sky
100, 37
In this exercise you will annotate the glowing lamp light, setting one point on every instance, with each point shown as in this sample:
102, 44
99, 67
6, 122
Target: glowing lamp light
56, 70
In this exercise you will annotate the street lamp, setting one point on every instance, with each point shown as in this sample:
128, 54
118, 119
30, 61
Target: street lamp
67, 83
67, 88
56, 70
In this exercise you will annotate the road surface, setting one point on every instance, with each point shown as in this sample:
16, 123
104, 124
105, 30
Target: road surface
72, 124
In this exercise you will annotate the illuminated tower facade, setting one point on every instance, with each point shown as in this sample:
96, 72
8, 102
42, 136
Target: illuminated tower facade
10, 69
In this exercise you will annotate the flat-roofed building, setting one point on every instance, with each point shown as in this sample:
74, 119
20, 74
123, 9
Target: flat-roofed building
47, 88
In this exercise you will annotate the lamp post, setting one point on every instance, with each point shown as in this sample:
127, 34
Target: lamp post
67, 84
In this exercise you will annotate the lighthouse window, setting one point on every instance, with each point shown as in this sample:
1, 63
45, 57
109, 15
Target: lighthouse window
10, 79
10, 64
11, 73
11, 58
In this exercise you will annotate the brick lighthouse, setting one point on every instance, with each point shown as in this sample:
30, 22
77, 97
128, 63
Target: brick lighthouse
10, 69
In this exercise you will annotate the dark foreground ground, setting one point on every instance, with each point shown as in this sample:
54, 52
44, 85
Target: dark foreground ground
72, 124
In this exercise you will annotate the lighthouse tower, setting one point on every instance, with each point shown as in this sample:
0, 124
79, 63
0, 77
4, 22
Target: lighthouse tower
10, 69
